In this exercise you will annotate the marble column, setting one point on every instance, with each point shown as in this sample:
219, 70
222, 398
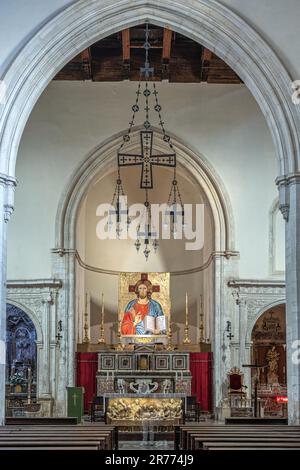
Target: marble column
44, 354
289, 204
7, 186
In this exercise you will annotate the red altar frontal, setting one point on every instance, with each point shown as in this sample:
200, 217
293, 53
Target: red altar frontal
200, 366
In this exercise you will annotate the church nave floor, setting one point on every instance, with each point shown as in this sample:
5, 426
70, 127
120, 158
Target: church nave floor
144, 445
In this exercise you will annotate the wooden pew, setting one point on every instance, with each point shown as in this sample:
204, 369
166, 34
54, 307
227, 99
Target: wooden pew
99, 443
250, 446
12, 421
202, 442
51, 448
189, 434
193, 436
50, 436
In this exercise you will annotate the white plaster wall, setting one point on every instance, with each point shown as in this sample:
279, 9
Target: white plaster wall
222, 122
19, 19
275, 20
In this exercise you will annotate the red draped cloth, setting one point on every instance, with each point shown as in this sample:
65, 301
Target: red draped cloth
86, 375
201, 370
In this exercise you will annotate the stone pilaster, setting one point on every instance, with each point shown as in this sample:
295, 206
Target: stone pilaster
63, 266
247, 371
44, 386
7, 187
289, 203
242, 329
225, 268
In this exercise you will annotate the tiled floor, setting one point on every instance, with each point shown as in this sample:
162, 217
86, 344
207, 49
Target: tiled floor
144, 445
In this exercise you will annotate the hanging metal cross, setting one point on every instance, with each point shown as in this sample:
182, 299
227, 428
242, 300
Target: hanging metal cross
146, 159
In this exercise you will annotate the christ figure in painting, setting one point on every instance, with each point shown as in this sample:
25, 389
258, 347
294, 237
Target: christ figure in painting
143, 315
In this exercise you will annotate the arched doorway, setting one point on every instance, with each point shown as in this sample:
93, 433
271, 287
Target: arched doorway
269, 352
70, 223
21, 360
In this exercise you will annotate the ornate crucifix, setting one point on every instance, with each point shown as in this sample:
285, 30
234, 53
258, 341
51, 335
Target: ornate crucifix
144, 277
146, 159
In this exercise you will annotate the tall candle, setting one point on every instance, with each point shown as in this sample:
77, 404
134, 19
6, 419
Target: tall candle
186, 309
102, 310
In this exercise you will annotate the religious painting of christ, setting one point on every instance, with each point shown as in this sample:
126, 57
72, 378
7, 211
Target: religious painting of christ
144, 315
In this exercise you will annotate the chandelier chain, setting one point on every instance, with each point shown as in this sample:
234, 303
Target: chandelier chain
135, 109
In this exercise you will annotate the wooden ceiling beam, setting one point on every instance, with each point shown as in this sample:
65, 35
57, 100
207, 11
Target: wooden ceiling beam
126, 53
206, 54
126, 44
167, 42
206, 57
86, 62
166, 53
174, 57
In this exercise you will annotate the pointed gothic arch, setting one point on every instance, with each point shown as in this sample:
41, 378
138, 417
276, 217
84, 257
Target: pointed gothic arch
207, 22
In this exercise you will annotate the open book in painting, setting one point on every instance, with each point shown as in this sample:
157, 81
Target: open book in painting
155, 325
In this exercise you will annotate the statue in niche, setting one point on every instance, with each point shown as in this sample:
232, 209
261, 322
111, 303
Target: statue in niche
273, 359
23, 349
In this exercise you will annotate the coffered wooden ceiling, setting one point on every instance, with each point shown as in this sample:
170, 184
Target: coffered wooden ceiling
174, 57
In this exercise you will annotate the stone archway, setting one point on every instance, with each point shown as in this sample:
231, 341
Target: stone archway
207, 22
223, 259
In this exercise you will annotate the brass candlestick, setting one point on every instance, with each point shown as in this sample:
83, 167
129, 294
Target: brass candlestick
101, 338
119, 346
86, 338
170, 346
201, 326
186, 339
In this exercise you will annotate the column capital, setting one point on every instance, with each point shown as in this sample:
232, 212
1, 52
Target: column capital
48, 299
7, 180
9, 184
286, 180
284, 183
